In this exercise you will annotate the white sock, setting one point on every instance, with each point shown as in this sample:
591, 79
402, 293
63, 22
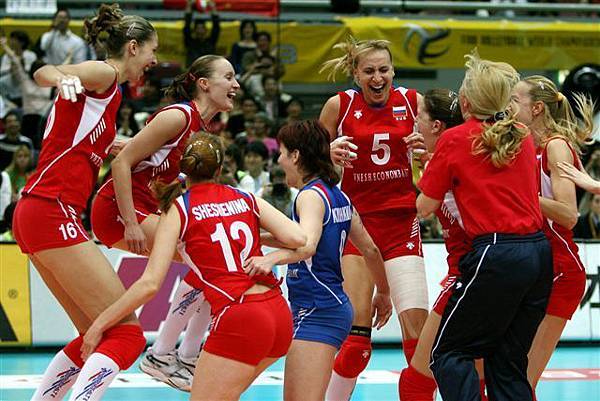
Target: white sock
184, 304
58, 378
194, 334
340, 388
95, 377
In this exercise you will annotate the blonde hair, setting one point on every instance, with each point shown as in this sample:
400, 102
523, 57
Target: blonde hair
487, 86
201, 160
354, 49
559, 118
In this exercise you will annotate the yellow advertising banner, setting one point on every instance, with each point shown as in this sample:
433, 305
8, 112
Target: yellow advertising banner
431, 44
15, 306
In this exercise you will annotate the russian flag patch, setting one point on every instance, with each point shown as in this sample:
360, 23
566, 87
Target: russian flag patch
399, 112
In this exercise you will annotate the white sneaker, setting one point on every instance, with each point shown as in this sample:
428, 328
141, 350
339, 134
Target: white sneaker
160, 366
181, 379
189, 363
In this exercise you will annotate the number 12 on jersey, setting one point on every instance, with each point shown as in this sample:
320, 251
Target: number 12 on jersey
220, 236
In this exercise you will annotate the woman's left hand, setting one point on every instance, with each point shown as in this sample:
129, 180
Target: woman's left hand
381, 310
91, 339
258, 265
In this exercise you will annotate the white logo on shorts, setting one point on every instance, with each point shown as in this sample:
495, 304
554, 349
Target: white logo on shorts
410, 245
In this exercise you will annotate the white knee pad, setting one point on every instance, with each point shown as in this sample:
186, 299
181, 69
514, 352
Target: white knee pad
407, 281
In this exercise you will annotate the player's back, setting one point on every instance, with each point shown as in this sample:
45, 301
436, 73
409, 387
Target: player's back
220, 230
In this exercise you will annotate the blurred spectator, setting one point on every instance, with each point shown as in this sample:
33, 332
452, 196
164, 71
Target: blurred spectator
19, 170
294, 110
430, 227
506, 13
253, 77
15, 54
5, 194
274, 101
263, 131
278, 193
60, 45
263, 44
233, 164
12, 139
126, 123
7, 235
588, 225
255, 161
237, 120
592, 167
195, 38
247, 43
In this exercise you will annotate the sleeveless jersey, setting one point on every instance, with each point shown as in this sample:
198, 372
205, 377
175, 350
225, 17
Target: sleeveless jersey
317, 281
455, 239
219, 230
162, 165
77, 139
381, 176
561, 238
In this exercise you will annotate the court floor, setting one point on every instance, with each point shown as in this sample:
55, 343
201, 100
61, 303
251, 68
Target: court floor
572, 375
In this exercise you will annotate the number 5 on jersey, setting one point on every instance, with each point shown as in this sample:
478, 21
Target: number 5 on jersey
379, 145
220, 236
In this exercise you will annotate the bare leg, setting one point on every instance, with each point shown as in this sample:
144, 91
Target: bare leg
544, 343
308, 366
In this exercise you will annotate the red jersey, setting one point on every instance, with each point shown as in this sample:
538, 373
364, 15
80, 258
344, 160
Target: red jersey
490, 199
77, 139
381, 177
456, 240
220, 229
163, 165
561, 238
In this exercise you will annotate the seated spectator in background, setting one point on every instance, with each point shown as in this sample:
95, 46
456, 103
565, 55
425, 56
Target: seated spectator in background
126, 123
253, 77
247, 43
263, 131
15, 54
12, 139
294, 110
195, 38
238, 118
588, 225
233, 163
7, 235
255, 161
263, 44
60, 45
274, 100
5, 195
19, 170
278, 193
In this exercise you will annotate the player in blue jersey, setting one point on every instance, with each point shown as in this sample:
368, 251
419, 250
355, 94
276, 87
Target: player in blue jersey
322, 311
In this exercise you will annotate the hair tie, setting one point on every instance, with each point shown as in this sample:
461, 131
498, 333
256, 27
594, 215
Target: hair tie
190, 77
130, 30
560, 97
499, 116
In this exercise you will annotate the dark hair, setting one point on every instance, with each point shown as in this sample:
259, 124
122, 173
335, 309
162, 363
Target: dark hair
245, 22
311, 140
442, 104
184, 85
265, 34
112, 30
12, 112
22, 37
8, 214
201, 160
235, 153
295, 100
259, 148
62, 10
266, 77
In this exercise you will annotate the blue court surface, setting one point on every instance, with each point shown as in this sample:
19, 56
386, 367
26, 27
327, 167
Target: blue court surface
572, 375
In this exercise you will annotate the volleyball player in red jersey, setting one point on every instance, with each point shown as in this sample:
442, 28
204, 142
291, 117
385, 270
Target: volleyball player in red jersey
548, 114
379, 119
78, 136
126, 212
497, 303
216, 228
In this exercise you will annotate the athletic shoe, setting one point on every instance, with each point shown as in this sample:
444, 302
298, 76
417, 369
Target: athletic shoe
160, 367
181, 379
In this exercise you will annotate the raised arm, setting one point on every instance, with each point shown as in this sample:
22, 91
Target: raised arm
382, 304
144, 288
165, 126
94, 76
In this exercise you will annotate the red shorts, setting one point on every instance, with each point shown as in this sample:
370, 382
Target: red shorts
44, 223
447, 289
568, 286
106, 220
193, 280
396, 233
258, 327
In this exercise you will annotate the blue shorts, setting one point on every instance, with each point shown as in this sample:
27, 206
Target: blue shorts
324, 325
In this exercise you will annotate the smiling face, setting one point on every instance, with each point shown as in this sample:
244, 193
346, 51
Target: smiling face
143, 57
427, 126
374, 74
222, 85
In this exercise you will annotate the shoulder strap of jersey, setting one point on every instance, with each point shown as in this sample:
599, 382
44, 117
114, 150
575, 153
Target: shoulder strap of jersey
410, 96
576, 161
182, 203
320, 189
346, 99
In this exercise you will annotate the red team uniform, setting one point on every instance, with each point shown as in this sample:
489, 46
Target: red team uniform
77, 139
162, 166
220, 229
569, 274
457, 244
380, 180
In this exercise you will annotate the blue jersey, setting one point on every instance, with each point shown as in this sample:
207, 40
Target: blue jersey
317, 281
